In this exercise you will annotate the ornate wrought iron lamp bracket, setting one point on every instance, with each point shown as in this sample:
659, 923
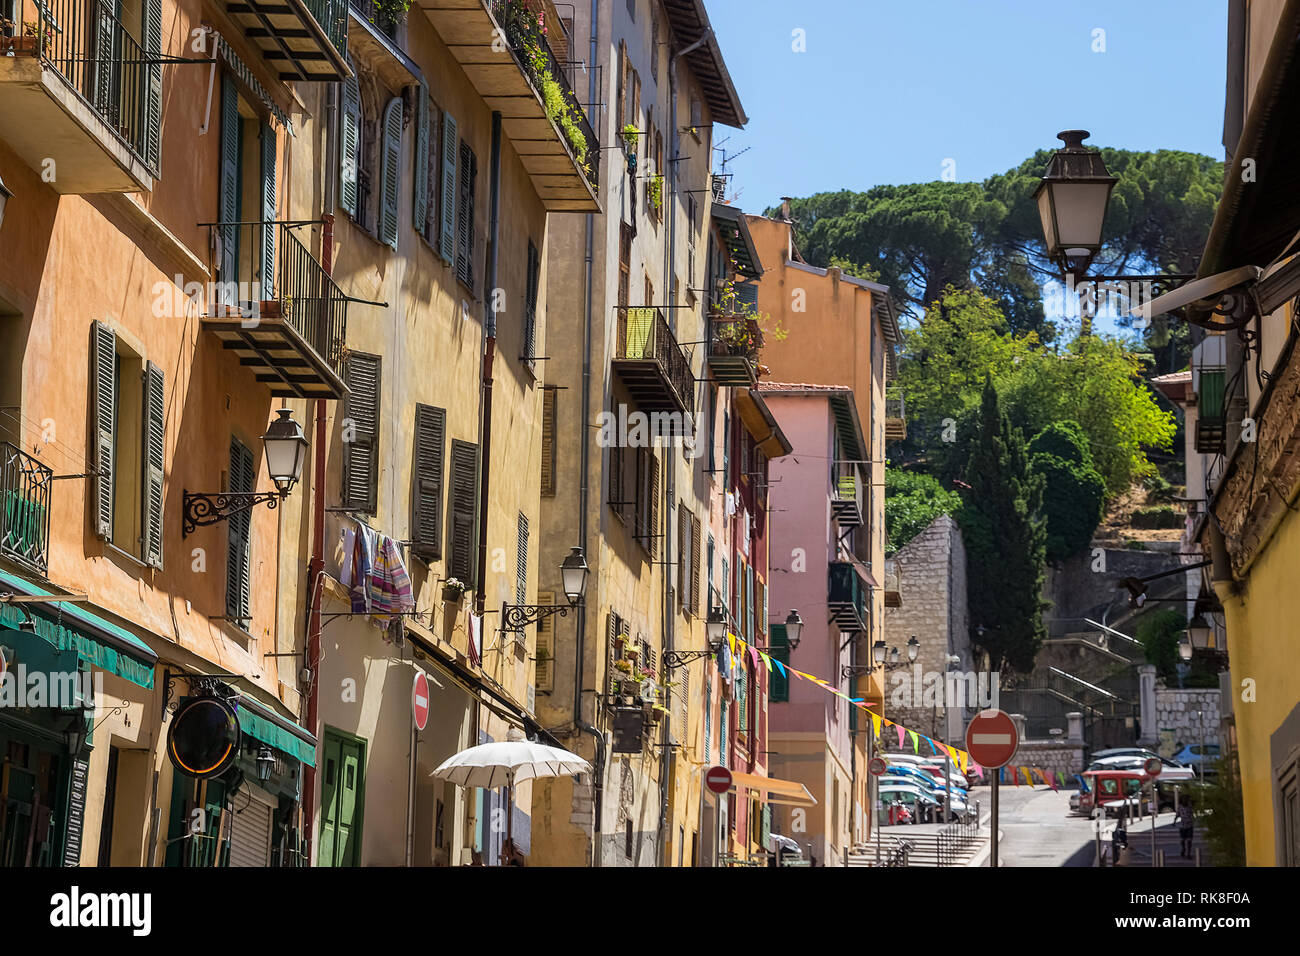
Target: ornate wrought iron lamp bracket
201, 509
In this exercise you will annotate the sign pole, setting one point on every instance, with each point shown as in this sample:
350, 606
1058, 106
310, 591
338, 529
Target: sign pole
992, 740
993, 820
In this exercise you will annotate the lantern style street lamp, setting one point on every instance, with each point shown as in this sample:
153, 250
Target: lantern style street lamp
913, 648
285, 448
1072, 201
1199, 632
793, 629
573, 578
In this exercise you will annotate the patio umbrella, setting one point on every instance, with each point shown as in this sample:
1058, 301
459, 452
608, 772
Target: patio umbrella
503, 763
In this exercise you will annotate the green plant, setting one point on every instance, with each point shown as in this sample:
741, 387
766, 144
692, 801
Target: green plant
657, 192
1157, 516
390, 11
1073, 490
1218, 807
630, 133
912, 501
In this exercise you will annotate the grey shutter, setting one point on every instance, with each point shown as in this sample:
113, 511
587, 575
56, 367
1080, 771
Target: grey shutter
521, 562
350, 141
420, 211
447, 241
154, 460
268, 211
616, 492
530, 301
105, 64
464, 511
652, 511
103, 356
250, 831
465, 216
229, 187
391, 160
238, 534
153, 84
430, 443
361, 455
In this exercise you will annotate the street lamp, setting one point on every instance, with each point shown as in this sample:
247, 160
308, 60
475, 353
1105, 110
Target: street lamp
793, 629
573, 578
1199, 631
265, 763
285, 448
893, 655
913, 648
878, 652
1185, 646
1072, 202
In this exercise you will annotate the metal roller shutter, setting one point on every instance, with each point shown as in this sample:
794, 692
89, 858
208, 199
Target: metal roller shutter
250, 834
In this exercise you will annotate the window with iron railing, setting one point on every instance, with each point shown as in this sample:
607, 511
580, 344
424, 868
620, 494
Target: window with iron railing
24, 508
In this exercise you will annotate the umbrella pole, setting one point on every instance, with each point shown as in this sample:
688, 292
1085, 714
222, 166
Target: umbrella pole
510, 814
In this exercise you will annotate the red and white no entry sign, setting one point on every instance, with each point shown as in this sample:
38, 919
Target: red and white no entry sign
718, 779
420, 700
1153, 766
991, 739
877, 766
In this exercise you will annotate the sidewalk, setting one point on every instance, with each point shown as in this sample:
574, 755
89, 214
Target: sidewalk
1166, 839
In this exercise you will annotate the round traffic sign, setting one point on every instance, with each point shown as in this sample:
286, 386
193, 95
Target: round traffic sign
991, 739
718, 780
1152, 766
420, 700
877, 766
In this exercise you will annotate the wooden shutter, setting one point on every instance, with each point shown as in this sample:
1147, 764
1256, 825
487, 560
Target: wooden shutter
779, 685
447, 240
749, 603
430, 444
521, 561
390, 170
361, 418
616, 483
696, 533
464, 511
229, 186
350, 141
107, 69
238, 527
530, 301
708, 711
684, 701
154, 460
103, 357
465, 216
544, 678
652, 529
683, 556
622, 87
420, 210
153, 84
548, 442
268, 211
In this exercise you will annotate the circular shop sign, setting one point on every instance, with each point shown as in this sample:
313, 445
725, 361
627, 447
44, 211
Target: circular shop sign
203, 740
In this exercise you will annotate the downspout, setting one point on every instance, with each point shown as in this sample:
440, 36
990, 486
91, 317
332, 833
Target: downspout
598, 769
489, 354
671, 471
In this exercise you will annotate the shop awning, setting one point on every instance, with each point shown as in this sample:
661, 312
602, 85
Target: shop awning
69, 625
261, 723
785, 792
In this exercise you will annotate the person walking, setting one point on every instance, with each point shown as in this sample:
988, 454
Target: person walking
1186, 825
1118, 839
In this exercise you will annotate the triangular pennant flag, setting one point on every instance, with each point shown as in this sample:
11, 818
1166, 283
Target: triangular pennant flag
978, 769
915, 743
731, 643
933, 749
900, 730
780, 667
767, 661
875, 723
1028, 779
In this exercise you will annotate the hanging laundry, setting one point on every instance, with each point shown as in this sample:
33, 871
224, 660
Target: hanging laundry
390, 585
475, 634
358, 565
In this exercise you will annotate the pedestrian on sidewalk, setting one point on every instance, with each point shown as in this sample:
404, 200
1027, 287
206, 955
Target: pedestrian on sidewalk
1118, 839
1186, 823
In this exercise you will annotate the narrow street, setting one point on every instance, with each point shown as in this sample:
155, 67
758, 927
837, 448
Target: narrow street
1038, 829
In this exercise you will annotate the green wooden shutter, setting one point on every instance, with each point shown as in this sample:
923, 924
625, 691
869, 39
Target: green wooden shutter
242, 476
391, 160
464, 511
447, 241
104, 381
350, 146
361, 418
430, 443
779, 686
267, 138
708, 712
420, 211
229, 188
153, 88
154, 460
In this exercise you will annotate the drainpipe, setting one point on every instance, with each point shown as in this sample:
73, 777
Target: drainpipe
580, 625
489, 354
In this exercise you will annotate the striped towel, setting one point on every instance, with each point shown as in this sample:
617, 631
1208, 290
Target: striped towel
390, 585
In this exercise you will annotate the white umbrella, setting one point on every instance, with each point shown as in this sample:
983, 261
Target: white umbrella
503, 763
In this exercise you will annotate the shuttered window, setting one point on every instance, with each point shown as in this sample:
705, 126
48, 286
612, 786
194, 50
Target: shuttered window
465, 216
618, 497
521, 560
426, 483
266, 269
684, 701
708, 711
548, 442
361, 433
241, 479
683, 557
463, 505
155, 424
390, 165
103, 358
545, 674
153, 82
423, 152
228, 190
647, 500
742, 698
696, 534
449, 192
530, 302
350, 146
779, 685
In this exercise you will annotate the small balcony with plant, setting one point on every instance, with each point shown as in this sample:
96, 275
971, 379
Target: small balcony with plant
847, 597
847, 494
531, 87
24, 508
738, 334
81, 92
652, 365
278, 310
895, 418
301, 40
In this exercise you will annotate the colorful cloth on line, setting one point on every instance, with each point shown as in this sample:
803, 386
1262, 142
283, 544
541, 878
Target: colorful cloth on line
390, 585
358, 565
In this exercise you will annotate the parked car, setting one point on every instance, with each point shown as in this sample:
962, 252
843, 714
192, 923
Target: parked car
916, 775
917, 802
1169, 771
955, 777
1143, 752
1200, 757
1112, 790
958, 804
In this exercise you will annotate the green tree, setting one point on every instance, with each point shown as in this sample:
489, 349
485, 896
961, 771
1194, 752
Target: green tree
1073, 491
1158, 633
1004, 534
913, 500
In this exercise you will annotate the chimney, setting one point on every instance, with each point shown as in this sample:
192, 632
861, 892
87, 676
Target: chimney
785, 209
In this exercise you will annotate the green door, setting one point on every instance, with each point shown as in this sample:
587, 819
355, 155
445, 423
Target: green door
342, 799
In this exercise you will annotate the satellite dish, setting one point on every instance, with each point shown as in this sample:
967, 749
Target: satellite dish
1209, 288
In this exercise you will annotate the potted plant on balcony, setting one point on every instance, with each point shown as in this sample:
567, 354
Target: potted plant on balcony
623, 666
453, 590
632, 653
657, 192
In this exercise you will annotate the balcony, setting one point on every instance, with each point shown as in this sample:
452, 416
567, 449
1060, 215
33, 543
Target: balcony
24, 508
846, 494
300, 39
80, 98
893, 588
895, 419
733, 357
652, 365
531, 88
847, 597
290, 333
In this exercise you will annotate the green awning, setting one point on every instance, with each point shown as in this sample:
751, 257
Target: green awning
67, 625
301, 745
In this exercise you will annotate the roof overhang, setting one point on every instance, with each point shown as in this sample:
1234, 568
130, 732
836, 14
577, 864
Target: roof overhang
690, 22
761, 424
734, 230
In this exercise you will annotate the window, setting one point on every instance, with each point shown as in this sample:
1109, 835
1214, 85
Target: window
426, 482
240, 480
448, 194
245, 193
466, 180
533, 284
544, 678
683, 557
647, 511
426, 215
627, 824
654, 43
129, 446
624, 264
390, 167
696, 532
521, 560
708, 711
463, 504
779, 685
370, 155
360, 428
697, 113
548, 442
742, 699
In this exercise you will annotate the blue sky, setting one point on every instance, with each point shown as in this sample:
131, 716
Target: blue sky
887, 91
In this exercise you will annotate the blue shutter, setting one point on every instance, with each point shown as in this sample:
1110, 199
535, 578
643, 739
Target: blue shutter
242, 475
350, 146
420, 210
391, 165
268, 211
447, 241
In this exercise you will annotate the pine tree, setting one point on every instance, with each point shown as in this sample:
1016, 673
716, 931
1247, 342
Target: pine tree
1005, 537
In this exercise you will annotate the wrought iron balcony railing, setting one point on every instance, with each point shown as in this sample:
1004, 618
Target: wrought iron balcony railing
24, 508
651, 363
